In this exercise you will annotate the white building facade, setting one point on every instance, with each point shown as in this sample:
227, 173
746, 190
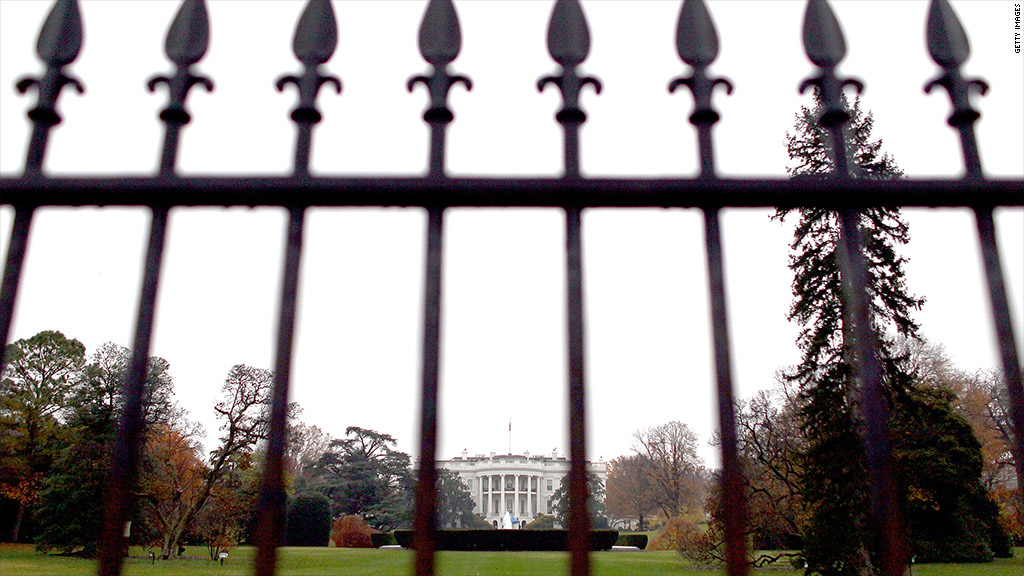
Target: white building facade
520, 483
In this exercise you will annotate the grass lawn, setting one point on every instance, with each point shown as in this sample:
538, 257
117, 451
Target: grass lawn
22, 560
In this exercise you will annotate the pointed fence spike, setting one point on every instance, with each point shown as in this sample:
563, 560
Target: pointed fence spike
823, 38
568, 36
440, 36
60, 40
189, 36
696, 38
316, 35
947, 41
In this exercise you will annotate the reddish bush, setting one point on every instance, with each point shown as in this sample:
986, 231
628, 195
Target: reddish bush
351, 532
672, 536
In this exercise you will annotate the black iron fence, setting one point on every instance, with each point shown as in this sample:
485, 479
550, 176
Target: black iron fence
568, 44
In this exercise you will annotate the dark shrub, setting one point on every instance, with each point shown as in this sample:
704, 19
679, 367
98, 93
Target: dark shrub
378, 539
478, 523
352, 532
542, 522
638, 540
510, 540
309, 521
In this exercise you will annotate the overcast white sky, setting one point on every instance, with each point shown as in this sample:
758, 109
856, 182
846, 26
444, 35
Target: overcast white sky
358, 340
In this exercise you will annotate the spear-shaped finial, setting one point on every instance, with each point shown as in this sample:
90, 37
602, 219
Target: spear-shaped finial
440, 41
60, 41
825, 47
316, 38
697, 45
186, 44
569, 45
949, 48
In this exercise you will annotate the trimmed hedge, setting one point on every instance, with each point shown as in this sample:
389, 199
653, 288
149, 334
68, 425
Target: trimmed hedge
378, 539
309, 520
638, 540
510, 540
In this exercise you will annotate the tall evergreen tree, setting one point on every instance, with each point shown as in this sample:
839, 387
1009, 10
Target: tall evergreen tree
838, 538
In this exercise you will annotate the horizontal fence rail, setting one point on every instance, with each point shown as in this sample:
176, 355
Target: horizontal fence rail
568, 43
502, 192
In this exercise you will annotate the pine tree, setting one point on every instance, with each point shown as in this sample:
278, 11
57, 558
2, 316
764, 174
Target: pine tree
838, 538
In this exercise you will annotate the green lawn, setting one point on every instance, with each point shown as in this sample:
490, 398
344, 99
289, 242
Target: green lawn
22, 560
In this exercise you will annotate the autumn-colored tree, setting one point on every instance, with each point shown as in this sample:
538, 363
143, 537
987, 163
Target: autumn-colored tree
40, 377
225, 520
770, 443
630, 493
243, 414
173, 480
306, 447
983, 402
677, 471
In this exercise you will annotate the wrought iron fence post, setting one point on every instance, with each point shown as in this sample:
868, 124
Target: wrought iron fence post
316, 38
569, 44
825, 47
60, 41
949, 48
186, 44
697, 45
440, 41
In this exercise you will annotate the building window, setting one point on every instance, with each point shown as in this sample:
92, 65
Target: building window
523, 483
533, 484
522, 506
484, 484
550, 485
470, 482
510, 483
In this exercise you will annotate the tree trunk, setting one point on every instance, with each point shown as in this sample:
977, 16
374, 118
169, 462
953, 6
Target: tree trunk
16, 529
165, 550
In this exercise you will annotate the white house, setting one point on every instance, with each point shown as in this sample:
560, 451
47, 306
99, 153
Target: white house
520, 483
